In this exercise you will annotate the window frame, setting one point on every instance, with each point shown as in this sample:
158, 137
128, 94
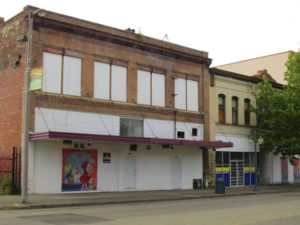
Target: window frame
186, 94
130, 120
235, 110
247, 118
221, 108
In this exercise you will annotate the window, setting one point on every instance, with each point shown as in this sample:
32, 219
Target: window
234, 110
131, 127
151, 88
180, 134
61, 72
247, 111
221, 99
110, 82
219, 160
194, 132
186, 94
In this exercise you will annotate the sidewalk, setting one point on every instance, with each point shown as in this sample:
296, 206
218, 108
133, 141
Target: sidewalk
9, 202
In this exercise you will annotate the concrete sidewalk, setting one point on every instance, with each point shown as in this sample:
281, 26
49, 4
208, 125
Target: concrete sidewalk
10, 202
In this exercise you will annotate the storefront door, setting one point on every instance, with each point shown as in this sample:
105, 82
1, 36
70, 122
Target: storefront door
176, 174
236, 173
130, 172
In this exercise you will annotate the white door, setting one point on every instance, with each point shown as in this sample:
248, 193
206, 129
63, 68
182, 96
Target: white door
130, 172
176, 174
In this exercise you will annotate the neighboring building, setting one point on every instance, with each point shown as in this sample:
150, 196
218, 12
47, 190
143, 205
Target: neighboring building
231, 120
274, 64
110, 110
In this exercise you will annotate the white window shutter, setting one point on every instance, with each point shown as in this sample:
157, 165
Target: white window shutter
72, 76
192, 95
101, 80
143, 89
52, 72
158, 89
118, 83
180, 95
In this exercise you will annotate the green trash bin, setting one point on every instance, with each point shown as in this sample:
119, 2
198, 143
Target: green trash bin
220, 186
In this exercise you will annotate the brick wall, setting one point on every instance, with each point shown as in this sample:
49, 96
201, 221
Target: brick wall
12, 69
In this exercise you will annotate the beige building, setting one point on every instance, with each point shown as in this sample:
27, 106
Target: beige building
231, 120
274, 64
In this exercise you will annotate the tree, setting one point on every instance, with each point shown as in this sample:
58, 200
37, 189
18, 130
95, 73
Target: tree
278, 112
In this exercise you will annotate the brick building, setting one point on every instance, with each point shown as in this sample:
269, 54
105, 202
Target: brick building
110, 110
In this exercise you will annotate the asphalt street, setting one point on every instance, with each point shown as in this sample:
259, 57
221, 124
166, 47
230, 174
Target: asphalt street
267, 209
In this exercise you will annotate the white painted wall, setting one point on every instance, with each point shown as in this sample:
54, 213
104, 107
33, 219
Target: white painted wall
153, 166
240, 143
95, 123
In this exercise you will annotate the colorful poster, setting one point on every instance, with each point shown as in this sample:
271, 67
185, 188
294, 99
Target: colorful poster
296, 171
36, 78
79, 170
284, 171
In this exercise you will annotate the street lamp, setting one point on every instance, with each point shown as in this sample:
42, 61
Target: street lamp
256, 138
24, 145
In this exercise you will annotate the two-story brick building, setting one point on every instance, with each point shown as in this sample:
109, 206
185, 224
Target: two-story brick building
110, 110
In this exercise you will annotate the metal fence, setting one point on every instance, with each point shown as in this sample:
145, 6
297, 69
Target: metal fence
12, 167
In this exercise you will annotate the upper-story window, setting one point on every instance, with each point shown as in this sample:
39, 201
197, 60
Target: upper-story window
110, 82
150, 88
247, 111
235, 110
221, 106
186, 94
61, 74
131, 127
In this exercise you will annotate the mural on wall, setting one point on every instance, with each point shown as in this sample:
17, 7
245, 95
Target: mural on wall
284, 171
79, 170
36, 75
296, 171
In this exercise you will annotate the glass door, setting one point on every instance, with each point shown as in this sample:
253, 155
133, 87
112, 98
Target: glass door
236, 173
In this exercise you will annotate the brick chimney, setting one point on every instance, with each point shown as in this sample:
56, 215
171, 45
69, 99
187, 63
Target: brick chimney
2, 20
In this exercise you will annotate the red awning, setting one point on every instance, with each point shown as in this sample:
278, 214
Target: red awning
129, 140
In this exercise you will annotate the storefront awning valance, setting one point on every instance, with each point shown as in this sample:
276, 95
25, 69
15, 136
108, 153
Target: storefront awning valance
129, 140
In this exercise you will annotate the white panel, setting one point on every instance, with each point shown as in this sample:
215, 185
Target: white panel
101, 80
240, 143
143, 93
187, 129
158, 89
192, 95
72, 76
276, 169
118, 83
52, 72
180, 94
76, 122
291, 173
158, 128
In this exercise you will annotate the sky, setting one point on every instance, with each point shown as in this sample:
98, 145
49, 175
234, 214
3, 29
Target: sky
229, 30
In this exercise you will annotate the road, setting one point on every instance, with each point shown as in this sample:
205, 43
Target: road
266, 209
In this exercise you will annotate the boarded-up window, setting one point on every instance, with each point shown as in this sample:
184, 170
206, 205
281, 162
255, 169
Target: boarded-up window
151, 88
180, 93
221, 108
143, 95
118, 83
110, 82
192, 95
158, 89
101, 80
52, 64
72, 76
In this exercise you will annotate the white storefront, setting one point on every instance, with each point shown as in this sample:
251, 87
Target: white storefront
119, 163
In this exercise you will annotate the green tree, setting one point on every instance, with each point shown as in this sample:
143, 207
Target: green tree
278, 112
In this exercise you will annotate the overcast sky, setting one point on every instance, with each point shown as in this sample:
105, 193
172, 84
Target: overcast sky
229, 30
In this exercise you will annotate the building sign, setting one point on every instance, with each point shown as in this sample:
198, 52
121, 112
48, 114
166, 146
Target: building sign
296, 171
36, 75
79, 170
106, 157
284, 170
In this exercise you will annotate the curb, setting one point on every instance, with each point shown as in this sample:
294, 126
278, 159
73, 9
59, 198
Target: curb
44, 206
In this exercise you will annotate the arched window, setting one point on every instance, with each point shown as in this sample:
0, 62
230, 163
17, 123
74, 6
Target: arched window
221, 99
235, 110
247, 111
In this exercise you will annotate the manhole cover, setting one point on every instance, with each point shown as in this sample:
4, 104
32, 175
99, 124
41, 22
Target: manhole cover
64, 219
